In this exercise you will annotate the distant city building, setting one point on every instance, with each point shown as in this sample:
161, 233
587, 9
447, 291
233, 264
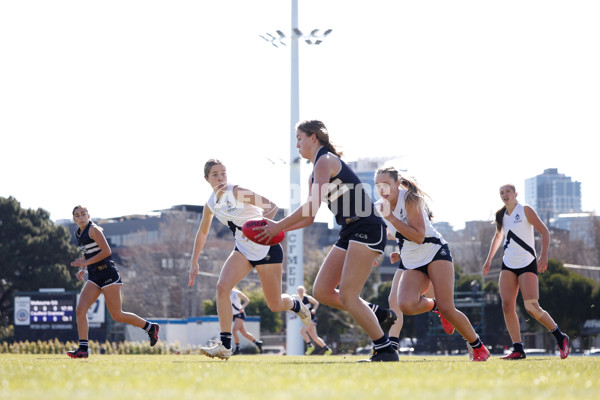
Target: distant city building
579, 225
551, 194
365, 169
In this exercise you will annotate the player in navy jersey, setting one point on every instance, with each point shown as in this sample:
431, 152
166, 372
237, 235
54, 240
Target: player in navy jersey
103, 278
425, 256
361, 238
520, 266
233, 205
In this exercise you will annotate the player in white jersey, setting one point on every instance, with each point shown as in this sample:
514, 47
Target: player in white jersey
239, 316
233, 205
514, 224
424, 253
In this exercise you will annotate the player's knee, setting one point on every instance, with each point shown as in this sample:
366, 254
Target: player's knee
508, 306
533, 308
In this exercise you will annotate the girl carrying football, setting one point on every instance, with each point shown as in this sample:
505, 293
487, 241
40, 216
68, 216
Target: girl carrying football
233, 205
361, 239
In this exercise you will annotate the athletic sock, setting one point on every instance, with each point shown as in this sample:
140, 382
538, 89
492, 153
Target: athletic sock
226, 339
296, 306
83, 345
237, 346
382, 344
518, 347
558, 335
147, 326
476, 344
380, 313
434, 304
395, 342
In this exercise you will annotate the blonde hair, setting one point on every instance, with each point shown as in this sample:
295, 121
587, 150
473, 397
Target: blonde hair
209, 164
499, 219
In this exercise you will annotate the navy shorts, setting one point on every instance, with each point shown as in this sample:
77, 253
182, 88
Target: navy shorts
442, 254
241, 316
274, 256
104, 275
519, 271
372, 235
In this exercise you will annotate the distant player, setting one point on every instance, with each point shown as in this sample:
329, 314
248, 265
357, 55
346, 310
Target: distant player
309, 332
103, 277
520, 266
425, 255
233, 205
239, 318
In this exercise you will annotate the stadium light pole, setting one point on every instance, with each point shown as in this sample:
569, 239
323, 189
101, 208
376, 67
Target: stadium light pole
295, 244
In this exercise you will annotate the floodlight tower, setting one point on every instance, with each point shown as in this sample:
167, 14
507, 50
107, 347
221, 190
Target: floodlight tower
295, 262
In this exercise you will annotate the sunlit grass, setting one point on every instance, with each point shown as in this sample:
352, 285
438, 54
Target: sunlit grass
280, 377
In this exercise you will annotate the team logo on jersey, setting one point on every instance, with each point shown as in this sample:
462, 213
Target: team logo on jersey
518, 218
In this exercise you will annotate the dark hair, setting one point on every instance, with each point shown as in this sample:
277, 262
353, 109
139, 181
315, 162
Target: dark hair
316, 127
78, 206
209, 164
414, 193
500, 213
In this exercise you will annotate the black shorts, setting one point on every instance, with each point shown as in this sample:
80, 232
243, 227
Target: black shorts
442, 254
104, 275
372, 235
518, 271
274, 256
241, 316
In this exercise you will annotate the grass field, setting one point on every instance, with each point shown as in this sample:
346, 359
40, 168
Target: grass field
31, 376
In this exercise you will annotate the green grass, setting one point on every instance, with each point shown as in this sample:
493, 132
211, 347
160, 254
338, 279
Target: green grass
32, 376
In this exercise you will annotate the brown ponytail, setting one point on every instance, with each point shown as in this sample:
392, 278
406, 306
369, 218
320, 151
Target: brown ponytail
499, 218
316, 127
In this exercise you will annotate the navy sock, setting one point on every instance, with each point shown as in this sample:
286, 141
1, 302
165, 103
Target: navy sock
558, 335
83, 345
380, 313
226, 339
477, 343
518, 347
382, 344
147, 326
296, 306
395, 342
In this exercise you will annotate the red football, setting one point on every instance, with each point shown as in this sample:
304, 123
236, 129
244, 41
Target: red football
250, 233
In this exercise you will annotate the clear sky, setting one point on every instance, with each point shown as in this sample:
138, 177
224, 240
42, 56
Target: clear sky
117, 104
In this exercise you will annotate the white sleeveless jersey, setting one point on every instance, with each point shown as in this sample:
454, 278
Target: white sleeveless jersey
519, 241
236, 301
414, 255
233, 213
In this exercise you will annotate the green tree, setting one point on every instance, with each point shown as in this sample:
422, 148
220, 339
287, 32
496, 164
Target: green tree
34, 253
569, 297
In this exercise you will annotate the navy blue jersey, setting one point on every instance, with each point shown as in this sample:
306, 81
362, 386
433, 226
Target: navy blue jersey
90, 248
307, 303
347, 199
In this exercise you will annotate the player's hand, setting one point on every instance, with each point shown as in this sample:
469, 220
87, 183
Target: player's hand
486, 267
384, 208
394, 257
80, 262
194, 269
542, 264
267, 232
80, 274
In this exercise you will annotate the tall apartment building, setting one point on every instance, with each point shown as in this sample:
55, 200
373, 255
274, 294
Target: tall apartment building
552, 193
